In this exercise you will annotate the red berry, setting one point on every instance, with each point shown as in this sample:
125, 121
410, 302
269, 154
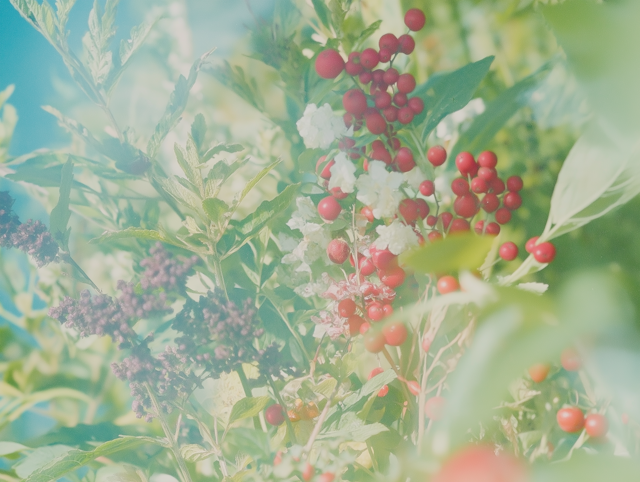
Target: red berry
503, 215
369, 58
387, 309
383, 391
434, 408
434, 236
497, 185
391, 114
460, 186
346, 308
414, 19
355, 323
390, 77
514, 183
409, 210
326, 477
539, 372
414, 387
570, 419
383, 100
366, 266
406, 83
427, 188
392, 277
389, 41
378, 76
447, 284
487, 174
329, 209
512, 201
479, 185
466, 206
405, 115
508, 251
384, 55
404, 159
437, 155
352, 68
364, 327
488, 159
375, 312
426, 343
596, 425
376, 123
326, 170
374, 341
367, 212
490, 202
493, 229
465, 163
544, 252
423, 208
446, 219
274, 415
416, 104
407, 44
395, 143
479, 227
308, 472
531, 244
365, 77
432, 220
479, 463
277, 460
338, 251
382, 155
459, 225
383, 258
400, 99
337, 193
570, 360
354, 102
329, 64
374, 372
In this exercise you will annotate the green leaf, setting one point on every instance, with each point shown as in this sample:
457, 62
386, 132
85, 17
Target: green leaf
368, 32
372, 386
175, 186
195, 452
136, 39
176, 106
7, 448
252, 183
215, 209
457, 252
39, 458
308, 159
60, 214
323, 12
96, 40
63, 7
138, 233
248, 407
447, 93
230, 148
189, 161
198, 131
74, 459
485, 126
589, 468
74, 127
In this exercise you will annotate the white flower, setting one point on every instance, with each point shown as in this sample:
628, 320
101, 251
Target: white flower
397, 237
448, 127
319, 127
316, 237
379, 189
342, 173
306, 212
414, 178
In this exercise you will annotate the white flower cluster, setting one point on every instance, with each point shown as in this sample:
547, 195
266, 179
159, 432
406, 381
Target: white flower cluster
380, 189
342, 173
319, 126
397, 237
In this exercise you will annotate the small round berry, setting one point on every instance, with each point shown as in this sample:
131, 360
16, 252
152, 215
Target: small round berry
465, 163
382, 155
460, 186
514, 183
434, 236
329, 64
375, 312
338, 251
392, 277
326, 170
416, 104
408, 210
382, 100
512, 201
346, 308
596, 425
437, 155
479, 227
337, 193
503, 215
570, 419
374, 341
492, 229
434, 408
432, 220
365, 77
277, 460
353, 68
459, 225
508, 251
426, 343
364, 327
447, 284
414, 387
405, 115
404, 158
407, 44
369, 58
570, 360
488, 159
539, 372
466, 206
274, 415
326, 477
378, 76
446, 219
531, 244
427, 188
390, 113
387, 309
497, 185
479, 463
384, 55
329, 209
366, 266
389, 41
376, 123
308, 472
544, 252
400, 99
390, 77
479, 185
367, 212
395, 333
355, 323
487, 174
354, 102
423, 208
374, 372
383, 391
406, 83
414, 19
383, 259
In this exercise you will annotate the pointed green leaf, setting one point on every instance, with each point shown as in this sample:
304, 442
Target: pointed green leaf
135, 233
215, 209
60, 214
323, 12
248, 407
7, 448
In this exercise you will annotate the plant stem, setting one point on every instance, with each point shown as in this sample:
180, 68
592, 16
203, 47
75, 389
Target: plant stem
320, 422
217, 271
183, 471
276, 392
